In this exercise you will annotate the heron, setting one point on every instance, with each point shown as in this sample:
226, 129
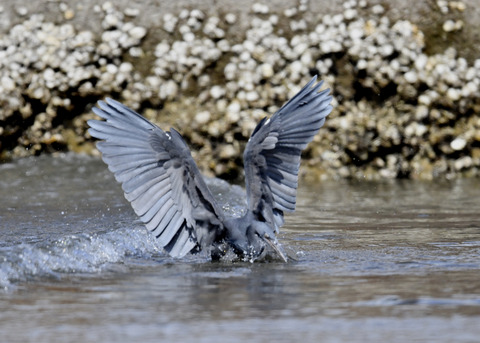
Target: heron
165, 188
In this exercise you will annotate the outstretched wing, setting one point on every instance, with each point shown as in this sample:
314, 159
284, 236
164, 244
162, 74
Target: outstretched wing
272, 156
159, 178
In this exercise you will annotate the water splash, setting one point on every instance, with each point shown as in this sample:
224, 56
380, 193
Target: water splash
53, 248
83, 253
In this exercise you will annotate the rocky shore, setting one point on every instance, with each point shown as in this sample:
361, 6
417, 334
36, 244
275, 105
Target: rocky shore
402, 109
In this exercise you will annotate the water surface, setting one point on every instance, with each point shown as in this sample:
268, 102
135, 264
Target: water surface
376, 261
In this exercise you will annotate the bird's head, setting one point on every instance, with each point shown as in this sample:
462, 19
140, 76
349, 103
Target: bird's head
253, 239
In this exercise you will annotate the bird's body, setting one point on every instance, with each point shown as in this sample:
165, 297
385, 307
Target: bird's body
166, 190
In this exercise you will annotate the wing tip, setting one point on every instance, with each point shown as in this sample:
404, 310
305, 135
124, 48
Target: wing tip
101, 104
315, 86
111, 102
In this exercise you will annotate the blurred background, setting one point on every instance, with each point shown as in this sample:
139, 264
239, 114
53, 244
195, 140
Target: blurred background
404, 76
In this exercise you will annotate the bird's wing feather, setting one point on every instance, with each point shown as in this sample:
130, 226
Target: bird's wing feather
159, 178
272, 155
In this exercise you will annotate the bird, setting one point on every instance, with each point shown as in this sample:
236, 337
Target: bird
168, 193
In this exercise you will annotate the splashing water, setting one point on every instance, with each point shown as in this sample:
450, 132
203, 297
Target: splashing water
68, 228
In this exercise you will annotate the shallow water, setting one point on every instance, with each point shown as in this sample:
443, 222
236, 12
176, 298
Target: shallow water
376, 261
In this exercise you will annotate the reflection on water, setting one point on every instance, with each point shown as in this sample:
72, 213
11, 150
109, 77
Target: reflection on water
383, 261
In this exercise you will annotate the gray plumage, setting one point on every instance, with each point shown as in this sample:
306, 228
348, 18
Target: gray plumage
166, 190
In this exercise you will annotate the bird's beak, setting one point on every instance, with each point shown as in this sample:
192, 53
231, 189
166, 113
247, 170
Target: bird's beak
274, 245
